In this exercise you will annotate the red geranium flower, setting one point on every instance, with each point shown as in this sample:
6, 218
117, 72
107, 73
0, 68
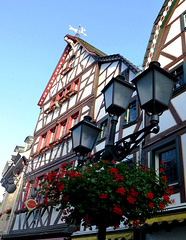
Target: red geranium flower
133, 193
162, 206
60, 186
121, 191
151, 205
162, 163
113, 170
135, 223
166, 198
103, 195
131, 200
118, 177
150, 195
117, 210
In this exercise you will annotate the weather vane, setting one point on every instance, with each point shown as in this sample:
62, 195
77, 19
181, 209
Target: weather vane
78, 31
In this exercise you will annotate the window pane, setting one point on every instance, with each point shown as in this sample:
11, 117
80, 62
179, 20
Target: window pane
179, 74
170, 160
103, 126
130, 114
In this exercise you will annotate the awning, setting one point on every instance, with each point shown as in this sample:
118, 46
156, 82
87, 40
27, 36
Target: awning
119, 236
179, 217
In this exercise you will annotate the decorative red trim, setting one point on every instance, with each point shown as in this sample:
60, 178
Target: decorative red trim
54, 75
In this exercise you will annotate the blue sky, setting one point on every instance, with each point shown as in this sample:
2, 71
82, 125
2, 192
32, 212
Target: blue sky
32, 41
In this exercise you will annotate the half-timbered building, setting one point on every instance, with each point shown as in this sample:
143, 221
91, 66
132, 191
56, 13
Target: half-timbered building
73, 92
12, 181
167, 45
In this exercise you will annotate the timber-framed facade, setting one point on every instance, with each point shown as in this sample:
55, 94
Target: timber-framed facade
74, 91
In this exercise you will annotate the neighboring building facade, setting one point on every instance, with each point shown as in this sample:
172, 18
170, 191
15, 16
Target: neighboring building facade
74, 91
167, 45
12, 181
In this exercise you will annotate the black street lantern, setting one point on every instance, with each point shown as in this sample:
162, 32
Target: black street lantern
154, 88
10, 186
84, 136
117, 94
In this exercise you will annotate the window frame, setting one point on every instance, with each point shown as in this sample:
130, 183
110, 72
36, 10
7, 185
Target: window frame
129, 123
61, 125
183, 21
99, 139
184, 77
155, 161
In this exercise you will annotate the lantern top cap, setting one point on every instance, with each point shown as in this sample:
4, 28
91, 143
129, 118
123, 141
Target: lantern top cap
154, 66
119, 79
87, 121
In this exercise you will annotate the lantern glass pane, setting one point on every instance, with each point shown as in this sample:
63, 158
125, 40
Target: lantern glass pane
89, 136
122, 95
145, 88
76, 135
108, 96
163, 88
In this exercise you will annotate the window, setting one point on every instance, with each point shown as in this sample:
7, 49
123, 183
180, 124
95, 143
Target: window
76, 85
74, 120
183, 21
104, 129
52, 134
130, 115
168, 153
42, 142
179, 74
62, 129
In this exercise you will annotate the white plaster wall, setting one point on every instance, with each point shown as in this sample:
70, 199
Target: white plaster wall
102, 77
86, 75
166, 121
91, 60
101, 114
112, 68
100, 146
86, 92
72, 101
128, 130
98, 103
63, 107
174, 30
103, 67
123, 67
131, 76
100, 88
175, 48
39, 125
164, 61
178, 104
178, 11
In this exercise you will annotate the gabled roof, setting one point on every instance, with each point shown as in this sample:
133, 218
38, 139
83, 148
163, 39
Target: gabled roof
156, 30
116, 57
89, 48
101, 57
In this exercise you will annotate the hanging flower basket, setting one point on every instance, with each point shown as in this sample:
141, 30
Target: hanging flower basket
108, 193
